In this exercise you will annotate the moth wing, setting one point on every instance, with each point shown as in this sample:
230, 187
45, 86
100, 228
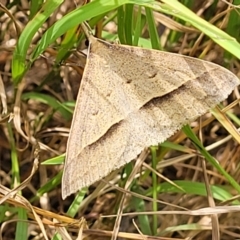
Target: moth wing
118, 83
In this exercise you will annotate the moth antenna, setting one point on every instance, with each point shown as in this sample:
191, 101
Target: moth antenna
87, 30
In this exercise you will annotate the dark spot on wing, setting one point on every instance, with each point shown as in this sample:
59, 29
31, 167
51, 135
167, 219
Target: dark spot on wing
152, 75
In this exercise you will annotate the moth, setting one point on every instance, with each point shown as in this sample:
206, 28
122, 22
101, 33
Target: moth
131, 98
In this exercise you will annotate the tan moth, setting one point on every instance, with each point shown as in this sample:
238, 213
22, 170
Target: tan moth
131, 98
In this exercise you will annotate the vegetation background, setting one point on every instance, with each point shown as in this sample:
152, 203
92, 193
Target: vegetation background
41, 67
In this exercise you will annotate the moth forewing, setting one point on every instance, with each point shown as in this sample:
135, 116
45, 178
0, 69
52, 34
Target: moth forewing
131, 98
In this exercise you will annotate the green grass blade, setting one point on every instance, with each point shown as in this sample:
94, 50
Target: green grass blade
19, 66
188, 131
51, 101
154, 186
221, 193
139, 205
49, 186
35, 6
22, 226
152, 29
138, 27
121, 24
73, 19
128, 23
175, 8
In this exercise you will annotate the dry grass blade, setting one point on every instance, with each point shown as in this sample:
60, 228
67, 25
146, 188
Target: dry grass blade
14, 191
224, 120
21, 201
4, 9
17, 113
138, 164
170, 23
